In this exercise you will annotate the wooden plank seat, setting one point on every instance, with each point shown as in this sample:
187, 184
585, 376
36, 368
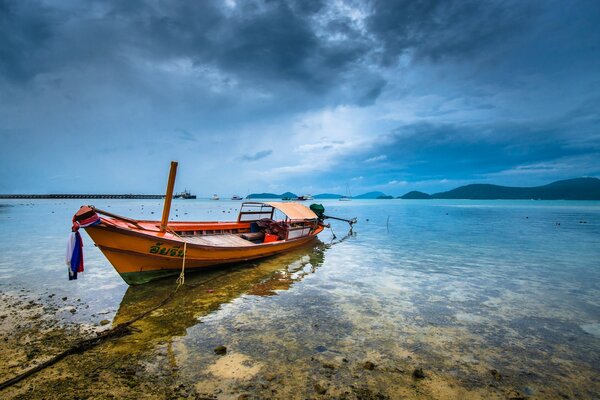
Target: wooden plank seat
226, 240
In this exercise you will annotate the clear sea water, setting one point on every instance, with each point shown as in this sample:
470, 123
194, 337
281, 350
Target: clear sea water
459, 288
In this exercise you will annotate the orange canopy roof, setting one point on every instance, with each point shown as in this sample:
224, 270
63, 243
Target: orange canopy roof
294, 211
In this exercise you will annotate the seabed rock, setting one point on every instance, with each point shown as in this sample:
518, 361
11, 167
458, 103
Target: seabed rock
221, 350
418, 373
368, 365
497, 376
328, 365
320, 389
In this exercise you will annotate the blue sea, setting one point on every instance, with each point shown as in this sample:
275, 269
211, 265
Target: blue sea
490, 299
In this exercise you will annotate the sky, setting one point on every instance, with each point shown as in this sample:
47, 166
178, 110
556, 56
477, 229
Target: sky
327, 96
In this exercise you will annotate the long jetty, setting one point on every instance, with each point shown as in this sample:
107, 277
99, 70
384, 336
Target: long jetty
82, 196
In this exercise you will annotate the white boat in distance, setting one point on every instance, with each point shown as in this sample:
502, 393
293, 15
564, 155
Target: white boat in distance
215, 197
236, 197
347, 196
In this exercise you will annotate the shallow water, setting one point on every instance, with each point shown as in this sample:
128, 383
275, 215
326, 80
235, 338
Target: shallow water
490, 298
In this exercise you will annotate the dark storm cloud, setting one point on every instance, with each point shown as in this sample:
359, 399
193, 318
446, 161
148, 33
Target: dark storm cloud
22, 30
269, 41
434, 29
308, 44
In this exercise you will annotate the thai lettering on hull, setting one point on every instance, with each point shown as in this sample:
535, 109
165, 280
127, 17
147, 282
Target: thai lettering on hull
171, 251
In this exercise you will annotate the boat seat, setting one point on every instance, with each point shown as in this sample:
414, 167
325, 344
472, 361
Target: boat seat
225, 240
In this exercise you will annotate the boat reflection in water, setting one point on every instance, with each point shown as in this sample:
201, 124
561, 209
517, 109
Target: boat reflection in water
205, 291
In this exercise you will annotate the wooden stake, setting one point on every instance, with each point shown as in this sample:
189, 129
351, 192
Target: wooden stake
168, 197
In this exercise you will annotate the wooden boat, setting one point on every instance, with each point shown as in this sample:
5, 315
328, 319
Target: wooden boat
141, 251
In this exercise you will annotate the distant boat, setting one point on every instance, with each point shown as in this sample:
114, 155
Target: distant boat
215, 197
305, 197
184, 195
346, 197
236, 197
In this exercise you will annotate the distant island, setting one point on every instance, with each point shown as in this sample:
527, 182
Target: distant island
569, 189
322, 196
288, 195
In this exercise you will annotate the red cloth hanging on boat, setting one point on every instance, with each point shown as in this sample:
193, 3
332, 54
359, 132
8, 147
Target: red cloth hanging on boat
83, 218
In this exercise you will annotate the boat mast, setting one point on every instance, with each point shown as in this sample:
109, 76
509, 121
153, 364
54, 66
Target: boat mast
168, 197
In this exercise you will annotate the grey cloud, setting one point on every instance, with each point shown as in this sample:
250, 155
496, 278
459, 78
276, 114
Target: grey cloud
264, 41
185, 135
435, 29
22, 30
257, 156
300, 47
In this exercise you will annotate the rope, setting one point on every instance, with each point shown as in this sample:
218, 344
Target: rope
87, 344
332, 232
181, 279
118, 331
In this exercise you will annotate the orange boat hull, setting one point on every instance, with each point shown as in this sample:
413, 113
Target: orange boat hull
143, 255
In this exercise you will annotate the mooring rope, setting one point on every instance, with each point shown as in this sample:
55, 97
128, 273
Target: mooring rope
83, 345
181, 279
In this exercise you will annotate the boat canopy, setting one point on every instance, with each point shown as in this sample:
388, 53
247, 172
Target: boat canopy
253, 211
294, 211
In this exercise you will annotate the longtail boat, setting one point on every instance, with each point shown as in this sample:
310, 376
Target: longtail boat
142, 250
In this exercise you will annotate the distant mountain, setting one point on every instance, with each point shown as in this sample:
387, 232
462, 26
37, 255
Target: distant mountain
415, 195
327, 196
370, 195
289, 195
570, 189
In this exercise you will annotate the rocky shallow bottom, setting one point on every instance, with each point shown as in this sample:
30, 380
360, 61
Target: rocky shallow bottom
182, 350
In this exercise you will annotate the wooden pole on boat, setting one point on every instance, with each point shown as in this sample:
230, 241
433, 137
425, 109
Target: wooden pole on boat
168, 197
